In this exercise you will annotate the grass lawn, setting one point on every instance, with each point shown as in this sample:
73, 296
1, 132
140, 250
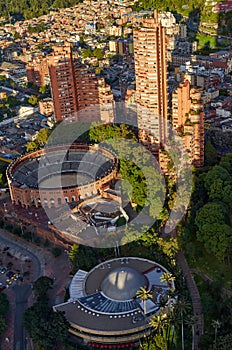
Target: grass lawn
208, 40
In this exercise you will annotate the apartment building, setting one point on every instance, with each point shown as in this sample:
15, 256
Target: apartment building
62, 75
188, 120
150, 56
37, 71
76, 90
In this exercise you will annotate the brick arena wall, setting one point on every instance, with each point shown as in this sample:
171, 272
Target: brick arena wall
25, 190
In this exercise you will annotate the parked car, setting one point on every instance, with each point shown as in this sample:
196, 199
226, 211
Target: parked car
15, 277
2, 288
10, 274
3, 269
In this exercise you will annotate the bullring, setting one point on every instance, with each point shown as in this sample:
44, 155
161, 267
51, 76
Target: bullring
57, 175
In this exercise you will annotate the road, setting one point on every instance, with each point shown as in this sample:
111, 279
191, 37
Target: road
17, 117
22, 292
195, 27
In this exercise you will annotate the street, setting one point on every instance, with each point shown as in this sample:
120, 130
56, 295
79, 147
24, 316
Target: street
22, 292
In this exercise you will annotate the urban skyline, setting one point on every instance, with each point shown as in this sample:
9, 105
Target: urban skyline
115, 175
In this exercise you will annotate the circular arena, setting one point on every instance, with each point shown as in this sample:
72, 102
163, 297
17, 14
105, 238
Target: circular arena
103, 309
57, 175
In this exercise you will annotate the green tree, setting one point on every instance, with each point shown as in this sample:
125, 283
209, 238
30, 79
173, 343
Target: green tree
43, 89
4, 303
33, 100
158, 322
215, 324
73, 254
31, 146
226, 162
100, 133
168, 246
217, 172
2, 324
56, 251
44, 326
210, 154
16, 35
216, 190
227, 195
98, 53
42, 136
87, 53
42, 285
182, 309
2, 180
12, 101
220, 240
224, 342
211, 213
167, 277
191, 321
147, 237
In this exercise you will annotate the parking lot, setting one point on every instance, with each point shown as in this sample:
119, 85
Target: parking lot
15, 268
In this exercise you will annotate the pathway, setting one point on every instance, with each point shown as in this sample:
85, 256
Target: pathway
195, 297
224, 291
193, 291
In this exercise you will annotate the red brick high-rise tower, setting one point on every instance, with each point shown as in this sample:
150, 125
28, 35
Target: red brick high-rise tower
76, 90
62, 77
188, 120
37, 71
150, 56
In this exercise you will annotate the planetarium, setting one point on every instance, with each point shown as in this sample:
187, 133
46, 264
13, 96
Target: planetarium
103, 309
57, 175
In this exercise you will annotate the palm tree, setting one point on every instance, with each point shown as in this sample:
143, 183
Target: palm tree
182, 307
143, 293
174, 324
162, 325
158, 322
167, 277
191, 321
216, 324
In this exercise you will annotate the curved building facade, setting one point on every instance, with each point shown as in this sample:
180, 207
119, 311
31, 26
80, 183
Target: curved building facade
57, 175
103, 308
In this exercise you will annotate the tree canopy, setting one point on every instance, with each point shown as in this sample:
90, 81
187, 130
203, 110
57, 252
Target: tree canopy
28, 9
45, 326
143, 184
40, 140
4, 306
211, 204
42, 285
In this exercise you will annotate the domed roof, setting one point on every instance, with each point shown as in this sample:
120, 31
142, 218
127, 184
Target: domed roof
122, 283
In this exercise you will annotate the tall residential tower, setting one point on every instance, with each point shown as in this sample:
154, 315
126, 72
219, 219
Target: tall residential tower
188, 120
77, 91
150, 57
63, 88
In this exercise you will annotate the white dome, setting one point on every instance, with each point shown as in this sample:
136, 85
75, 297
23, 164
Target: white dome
122, 283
